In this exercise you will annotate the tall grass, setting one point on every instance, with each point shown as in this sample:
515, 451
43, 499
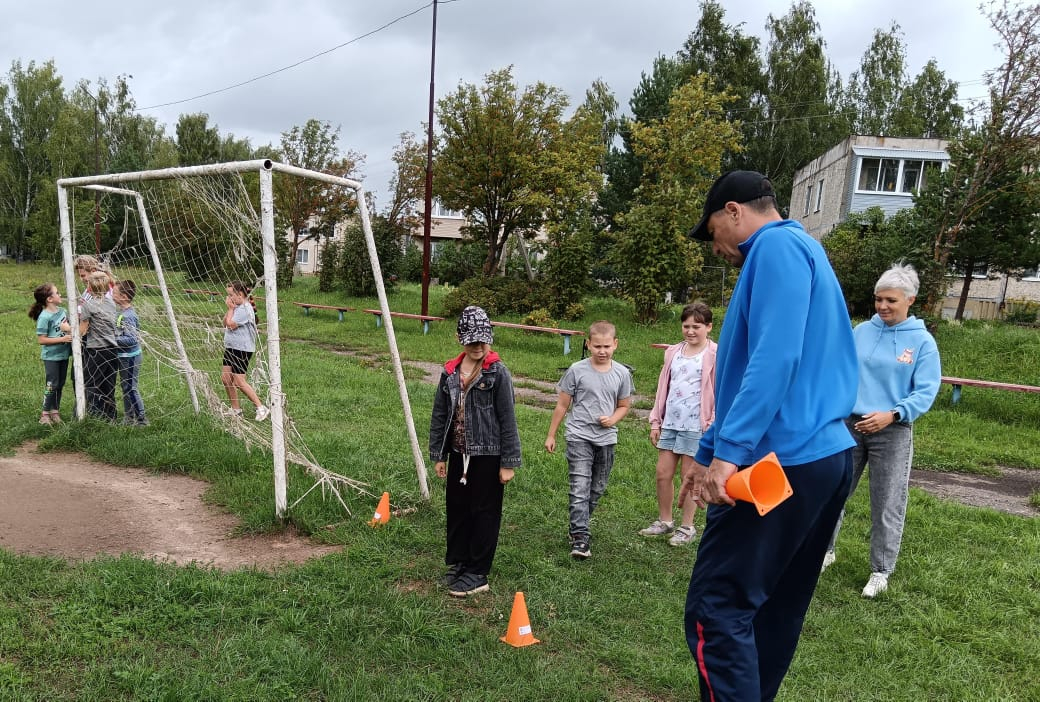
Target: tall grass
960, 621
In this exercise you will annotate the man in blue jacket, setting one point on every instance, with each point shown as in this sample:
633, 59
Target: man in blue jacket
786, 378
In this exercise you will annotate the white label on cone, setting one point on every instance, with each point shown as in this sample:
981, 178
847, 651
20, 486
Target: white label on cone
377, 515
525, 630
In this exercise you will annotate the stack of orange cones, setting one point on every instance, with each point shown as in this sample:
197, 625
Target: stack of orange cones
382, 513
764, 484
519, 632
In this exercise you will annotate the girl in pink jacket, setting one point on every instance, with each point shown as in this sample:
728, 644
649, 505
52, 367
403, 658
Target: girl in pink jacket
684, 408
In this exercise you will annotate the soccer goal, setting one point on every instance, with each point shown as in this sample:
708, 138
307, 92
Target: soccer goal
185, 235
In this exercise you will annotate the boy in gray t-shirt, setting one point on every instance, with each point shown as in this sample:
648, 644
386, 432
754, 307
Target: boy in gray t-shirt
598, 393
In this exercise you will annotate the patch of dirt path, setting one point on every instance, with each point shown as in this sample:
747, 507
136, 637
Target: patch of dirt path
1008, 492
67, 505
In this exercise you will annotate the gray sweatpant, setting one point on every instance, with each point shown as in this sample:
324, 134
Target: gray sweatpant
889, 453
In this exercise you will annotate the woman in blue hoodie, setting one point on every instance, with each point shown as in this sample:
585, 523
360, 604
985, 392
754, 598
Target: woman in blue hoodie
899, 377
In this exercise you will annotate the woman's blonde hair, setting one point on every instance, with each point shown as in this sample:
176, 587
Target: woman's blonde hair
98, 282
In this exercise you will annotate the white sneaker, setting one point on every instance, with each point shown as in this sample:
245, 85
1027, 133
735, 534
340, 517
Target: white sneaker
658, 528
877, 584
828, 560
262, 413
682, 536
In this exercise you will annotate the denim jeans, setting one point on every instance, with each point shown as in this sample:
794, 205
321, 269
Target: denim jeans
56, 372
589, 466
129, 370
889, 453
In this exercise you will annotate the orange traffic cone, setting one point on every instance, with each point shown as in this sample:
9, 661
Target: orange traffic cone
764, 484
382, 514
519, 632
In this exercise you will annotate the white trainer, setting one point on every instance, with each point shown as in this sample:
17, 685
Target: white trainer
828, 560
877, 584
658, 528
262, 413
682, 536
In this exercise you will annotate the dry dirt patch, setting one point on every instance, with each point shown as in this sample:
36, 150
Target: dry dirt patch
67, 505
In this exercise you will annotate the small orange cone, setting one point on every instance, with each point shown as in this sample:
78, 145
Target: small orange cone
382, 514
764, 484
519, 632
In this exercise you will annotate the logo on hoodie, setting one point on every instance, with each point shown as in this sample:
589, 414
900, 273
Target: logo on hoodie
906, 357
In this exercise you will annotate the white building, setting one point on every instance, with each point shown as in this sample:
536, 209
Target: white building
875, 171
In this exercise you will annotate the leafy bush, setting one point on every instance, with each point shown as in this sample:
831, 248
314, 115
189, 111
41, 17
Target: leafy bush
575, 310
539, 318
1022, 312
865, 245
496, 295
410, 266
328, 261
346, 266
455, 262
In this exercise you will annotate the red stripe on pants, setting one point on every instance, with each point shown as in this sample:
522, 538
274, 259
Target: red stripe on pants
700, 661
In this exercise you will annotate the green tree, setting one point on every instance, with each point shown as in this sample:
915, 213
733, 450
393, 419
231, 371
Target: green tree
986, 163
865, 245
732, 59
800, 117
681, 153
32, 155
510, 161
928, 106
353, 272
876, 87
649, 102
306, 208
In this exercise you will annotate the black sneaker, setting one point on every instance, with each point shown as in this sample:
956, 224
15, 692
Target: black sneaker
452, 574
581, 550
469, 584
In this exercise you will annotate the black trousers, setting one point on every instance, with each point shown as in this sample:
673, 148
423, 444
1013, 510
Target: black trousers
101, 368
474, 512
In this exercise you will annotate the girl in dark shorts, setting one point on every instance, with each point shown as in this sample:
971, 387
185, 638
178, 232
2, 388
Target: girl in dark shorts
239, 346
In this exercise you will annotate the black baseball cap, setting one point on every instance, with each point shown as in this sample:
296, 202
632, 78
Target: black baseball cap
735, 186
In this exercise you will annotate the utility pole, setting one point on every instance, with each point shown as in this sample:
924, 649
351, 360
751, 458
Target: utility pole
429, 177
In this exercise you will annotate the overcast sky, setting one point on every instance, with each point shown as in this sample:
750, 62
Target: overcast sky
377, 86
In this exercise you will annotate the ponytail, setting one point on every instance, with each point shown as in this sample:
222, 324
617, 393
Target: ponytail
40, 295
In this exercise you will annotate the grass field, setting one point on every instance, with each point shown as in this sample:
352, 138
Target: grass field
961, 620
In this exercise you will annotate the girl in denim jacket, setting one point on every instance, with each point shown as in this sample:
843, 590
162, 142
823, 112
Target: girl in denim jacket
475, 446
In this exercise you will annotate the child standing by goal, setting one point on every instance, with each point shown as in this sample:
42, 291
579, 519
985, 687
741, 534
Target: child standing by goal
239, 346
54, 334
97, 324
475, 446
684, 408
128, 337
601, 392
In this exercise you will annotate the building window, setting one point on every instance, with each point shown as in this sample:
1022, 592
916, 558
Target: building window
981, 270
808, 197
439, 210
869, 169
891, 175
303, 256
819, 195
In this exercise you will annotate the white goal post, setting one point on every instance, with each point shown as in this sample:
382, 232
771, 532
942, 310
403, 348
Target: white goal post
129, 186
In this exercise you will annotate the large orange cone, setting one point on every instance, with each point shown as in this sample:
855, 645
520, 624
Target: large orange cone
519, 632
764, 484
382, 514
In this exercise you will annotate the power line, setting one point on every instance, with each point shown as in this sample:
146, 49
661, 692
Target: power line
293, 65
